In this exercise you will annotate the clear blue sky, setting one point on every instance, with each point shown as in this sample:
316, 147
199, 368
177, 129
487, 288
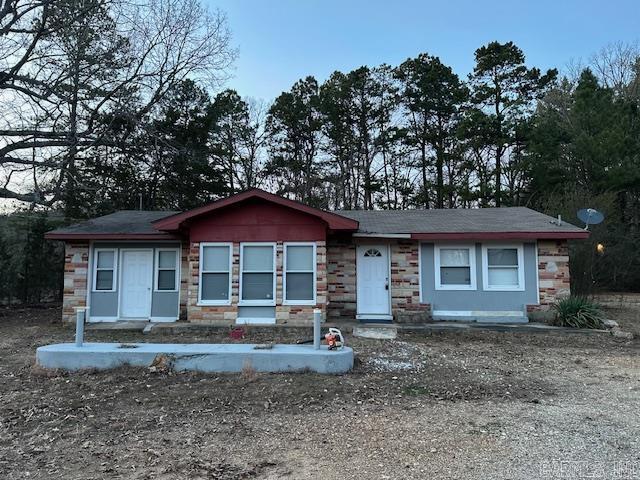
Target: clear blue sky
281, 41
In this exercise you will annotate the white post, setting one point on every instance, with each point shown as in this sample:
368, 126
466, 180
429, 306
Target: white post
80, 313
316, 328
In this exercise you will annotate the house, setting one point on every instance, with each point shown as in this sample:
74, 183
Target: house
256, 257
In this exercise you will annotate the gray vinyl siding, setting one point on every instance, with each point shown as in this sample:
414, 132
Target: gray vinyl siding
105, 304
165, 304
479, 299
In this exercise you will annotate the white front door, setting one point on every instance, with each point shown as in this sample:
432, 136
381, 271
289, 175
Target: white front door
136, 282
372, 277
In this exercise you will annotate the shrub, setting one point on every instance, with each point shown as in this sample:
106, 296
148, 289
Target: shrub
578, 312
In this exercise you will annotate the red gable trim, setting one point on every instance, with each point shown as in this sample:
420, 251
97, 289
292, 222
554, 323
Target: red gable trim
334, 221
500, 236
111, 236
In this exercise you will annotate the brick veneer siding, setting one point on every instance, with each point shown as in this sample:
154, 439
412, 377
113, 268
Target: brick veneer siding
405, 281
405, 284
227, 314
76, 269
341, 279
553, 274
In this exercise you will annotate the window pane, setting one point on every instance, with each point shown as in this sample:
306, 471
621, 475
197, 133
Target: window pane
104, 280
455, 276
215, 259
454, 257
503, 277
258, 258
105, 260
299, 286
502, 256
215, 286
300, 257
257, 286
166, 279
167, 259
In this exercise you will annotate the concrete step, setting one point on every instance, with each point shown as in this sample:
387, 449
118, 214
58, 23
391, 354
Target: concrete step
481, 316
377, 331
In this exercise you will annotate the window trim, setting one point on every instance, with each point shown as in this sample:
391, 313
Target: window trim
114, 280
203, 245
485, 268
156, 269
285, 271
260, 303
472, 266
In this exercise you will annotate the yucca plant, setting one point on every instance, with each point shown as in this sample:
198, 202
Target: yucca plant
578, 312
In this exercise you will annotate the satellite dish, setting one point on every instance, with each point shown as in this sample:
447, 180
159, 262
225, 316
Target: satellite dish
590, 216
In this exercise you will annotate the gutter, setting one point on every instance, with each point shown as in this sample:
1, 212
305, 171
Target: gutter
382, 235
501, 235
111, 236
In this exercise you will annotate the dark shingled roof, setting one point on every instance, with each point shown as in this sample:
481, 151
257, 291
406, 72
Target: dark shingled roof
132, 224
507, 219
124, 222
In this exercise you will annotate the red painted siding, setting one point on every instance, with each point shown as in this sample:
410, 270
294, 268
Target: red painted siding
257, 222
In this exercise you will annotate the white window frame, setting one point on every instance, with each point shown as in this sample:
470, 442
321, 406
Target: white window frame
472, 266
200, 272
485, 268
156, 269
285, 271
261, 303
114, 280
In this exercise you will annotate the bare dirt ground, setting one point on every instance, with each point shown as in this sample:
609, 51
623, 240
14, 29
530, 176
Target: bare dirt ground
450, 405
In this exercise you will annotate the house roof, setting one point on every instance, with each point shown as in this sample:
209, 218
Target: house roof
445, 224
334, 221
125, 224
478, 223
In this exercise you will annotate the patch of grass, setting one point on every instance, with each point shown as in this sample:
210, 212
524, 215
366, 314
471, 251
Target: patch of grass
578, 312
415, 390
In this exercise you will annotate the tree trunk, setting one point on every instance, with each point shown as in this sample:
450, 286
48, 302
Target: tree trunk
425, 191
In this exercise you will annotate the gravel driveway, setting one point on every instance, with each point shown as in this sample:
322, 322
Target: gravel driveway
449, 405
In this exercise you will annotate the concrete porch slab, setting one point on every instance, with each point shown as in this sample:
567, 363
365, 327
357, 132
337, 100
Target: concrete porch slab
128, 326
496, 327
213, 357
348, 327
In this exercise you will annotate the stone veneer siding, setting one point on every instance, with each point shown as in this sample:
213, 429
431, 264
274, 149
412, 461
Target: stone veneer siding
405, 284
341, 279
405, 281
227, 314
553, 274
76, 268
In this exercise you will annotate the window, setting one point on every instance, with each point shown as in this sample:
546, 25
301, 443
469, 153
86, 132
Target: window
503, 267
455, 267
166, 270
105, 271
215, 274
257, 275
372, 252
299, 274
